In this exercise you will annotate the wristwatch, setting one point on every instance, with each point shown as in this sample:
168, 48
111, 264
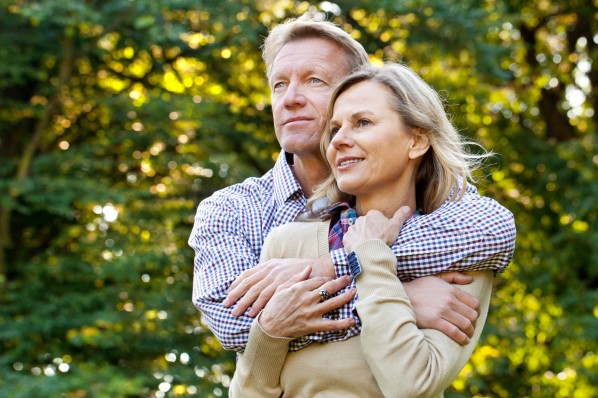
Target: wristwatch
354, 264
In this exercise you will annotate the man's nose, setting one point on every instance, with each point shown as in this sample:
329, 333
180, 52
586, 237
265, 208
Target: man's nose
294, 95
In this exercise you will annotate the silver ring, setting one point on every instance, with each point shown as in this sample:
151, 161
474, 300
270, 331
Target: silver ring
324, 294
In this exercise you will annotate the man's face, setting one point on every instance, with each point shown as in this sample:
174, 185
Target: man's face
304, 75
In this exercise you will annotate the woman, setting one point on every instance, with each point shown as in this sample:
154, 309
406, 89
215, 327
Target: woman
392, 150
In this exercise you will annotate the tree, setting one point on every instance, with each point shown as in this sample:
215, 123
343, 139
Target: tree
118, 117
115, 122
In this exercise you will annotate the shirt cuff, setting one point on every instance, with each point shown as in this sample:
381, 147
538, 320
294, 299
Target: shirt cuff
340, 263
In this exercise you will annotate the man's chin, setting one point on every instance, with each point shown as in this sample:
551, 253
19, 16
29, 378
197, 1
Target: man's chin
300, 145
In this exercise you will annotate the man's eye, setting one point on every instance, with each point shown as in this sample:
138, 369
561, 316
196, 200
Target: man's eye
316, 80
278, 85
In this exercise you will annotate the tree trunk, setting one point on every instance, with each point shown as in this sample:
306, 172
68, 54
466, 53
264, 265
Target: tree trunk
66, 66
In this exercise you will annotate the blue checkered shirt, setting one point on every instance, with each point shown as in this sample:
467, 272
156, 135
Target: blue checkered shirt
474, 233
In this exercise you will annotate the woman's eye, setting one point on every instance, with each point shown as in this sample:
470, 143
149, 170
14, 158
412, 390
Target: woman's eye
333, 131
363, 123
315, 80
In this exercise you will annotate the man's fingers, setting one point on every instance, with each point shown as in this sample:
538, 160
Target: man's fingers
247, 300
455, 277
463, 318
261, 301
241, 278
263, 290
232, 297
301, 276
465, 311
239, 288
307, 284
469, 300
453, 332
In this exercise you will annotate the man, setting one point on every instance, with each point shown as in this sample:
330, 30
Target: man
305, 60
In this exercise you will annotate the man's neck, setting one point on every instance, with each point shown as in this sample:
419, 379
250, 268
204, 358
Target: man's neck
309, 171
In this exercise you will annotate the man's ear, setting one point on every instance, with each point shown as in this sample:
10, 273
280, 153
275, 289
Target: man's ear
420, 144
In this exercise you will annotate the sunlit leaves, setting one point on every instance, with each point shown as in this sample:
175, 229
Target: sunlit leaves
147, 107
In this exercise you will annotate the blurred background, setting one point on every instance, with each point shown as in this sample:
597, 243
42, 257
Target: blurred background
117, 117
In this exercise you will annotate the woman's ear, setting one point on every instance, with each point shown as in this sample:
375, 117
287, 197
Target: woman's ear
419, 145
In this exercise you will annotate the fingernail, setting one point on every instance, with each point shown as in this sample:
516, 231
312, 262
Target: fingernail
226, 303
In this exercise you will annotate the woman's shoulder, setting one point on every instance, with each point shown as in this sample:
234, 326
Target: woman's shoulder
296, 227
297, 239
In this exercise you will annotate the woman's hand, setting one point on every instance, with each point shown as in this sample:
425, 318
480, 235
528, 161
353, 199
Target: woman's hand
375, 225
254, 287
296, 308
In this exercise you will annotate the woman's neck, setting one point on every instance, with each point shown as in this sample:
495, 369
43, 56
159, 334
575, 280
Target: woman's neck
387, 204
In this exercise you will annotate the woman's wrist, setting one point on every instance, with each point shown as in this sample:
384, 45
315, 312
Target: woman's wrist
268, 325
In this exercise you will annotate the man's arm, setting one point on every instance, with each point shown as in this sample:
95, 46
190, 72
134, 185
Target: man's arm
222, 252
474, 233
440, 302
449, 310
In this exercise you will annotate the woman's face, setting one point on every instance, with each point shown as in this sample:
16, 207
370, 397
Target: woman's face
372, 153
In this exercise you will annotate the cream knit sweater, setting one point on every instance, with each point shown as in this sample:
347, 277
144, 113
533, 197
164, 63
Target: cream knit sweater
391, 357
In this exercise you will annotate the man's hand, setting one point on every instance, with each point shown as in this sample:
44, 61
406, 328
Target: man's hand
254, 287
439, 304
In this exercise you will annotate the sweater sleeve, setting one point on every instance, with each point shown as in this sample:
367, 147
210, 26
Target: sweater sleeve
405, 360
258, 369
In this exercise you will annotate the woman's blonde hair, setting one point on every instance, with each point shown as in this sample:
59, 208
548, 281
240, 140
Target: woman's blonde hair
446, 166
297, 29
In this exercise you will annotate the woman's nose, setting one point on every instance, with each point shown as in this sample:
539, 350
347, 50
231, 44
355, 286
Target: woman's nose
340, 138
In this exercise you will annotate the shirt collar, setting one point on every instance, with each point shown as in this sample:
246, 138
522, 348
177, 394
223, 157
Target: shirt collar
348, 215
285, 184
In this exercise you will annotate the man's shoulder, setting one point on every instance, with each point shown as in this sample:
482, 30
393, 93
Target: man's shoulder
250, 199
470, 209
251, 188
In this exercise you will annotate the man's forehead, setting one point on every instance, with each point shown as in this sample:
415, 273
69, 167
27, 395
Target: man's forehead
311, 46
310, 55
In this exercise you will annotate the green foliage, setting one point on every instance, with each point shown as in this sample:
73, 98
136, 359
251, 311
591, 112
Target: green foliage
118, 117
